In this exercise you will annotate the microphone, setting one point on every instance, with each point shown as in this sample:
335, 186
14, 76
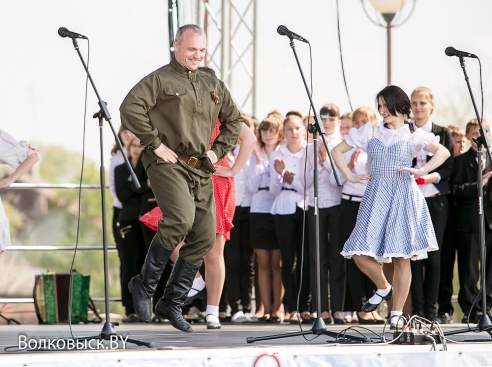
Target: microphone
451, 51
63, 32
283, 31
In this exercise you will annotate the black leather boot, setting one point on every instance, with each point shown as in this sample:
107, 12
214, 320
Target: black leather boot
143, 286
178, 286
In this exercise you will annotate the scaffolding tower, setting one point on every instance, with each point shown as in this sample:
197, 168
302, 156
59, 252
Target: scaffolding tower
230, 26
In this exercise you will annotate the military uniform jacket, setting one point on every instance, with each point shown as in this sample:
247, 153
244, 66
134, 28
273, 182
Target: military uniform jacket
179, 108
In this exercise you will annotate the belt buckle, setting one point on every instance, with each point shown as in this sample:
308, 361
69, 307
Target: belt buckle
192, 161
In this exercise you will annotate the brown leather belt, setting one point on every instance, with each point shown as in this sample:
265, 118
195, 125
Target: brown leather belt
190, 161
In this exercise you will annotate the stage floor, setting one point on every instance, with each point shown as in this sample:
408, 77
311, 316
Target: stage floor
53, 345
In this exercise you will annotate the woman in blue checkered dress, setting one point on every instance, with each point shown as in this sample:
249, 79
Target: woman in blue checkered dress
393, 223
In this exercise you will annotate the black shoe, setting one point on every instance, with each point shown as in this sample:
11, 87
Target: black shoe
131, 318
444, 318
336, 320
327, 321
225, 319
418, 313
431, 316
307, 319
143, 286
177, 288
474, 318
365, 321
199, 294
265, 319
369, 307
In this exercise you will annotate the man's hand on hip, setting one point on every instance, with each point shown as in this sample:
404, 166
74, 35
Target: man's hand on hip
166, 154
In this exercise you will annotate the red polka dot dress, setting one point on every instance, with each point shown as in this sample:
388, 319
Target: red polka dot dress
224, 195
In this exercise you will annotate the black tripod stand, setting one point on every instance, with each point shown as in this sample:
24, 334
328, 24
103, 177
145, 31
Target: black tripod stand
10, 321
319, 327
484, 323
108, 332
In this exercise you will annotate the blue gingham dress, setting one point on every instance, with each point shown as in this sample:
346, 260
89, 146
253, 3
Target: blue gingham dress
393, 218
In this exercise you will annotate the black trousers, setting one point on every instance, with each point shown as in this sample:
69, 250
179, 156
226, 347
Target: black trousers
115, 225
131, 250
239, 262
453, 249
290, 234
471, 263
332, 264
426, 272
359, 286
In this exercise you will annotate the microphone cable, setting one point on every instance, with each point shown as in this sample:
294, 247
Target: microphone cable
341, 57
79, 196
481, 87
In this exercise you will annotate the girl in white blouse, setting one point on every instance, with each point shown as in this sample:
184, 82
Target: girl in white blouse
287, 184
20, 156
263, 235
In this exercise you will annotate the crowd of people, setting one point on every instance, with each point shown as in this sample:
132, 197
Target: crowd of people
230, 204
227, 206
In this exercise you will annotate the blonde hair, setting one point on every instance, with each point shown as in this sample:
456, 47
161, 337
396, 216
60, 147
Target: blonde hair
368, 114
425, 91
456, 132
474, 123
347, 115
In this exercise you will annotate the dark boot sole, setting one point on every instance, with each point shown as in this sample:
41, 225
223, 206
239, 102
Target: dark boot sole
138, 300
177, 322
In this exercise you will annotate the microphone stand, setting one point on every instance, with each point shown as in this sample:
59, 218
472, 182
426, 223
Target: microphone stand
484, 323
319, 327
108, 331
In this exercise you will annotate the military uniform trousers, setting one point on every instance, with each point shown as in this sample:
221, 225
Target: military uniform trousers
187, 204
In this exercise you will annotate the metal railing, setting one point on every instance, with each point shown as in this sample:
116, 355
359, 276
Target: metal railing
29, 186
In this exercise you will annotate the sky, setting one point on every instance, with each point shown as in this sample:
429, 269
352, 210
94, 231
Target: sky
42, 79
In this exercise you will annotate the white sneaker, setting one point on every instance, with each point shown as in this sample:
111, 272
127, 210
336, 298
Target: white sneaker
250, 317
397, 322
238, 317
213, 322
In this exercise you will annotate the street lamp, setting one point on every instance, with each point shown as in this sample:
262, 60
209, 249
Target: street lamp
388, 9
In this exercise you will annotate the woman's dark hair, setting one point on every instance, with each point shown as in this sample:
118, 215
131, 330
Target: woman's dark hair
396, 101
115, 148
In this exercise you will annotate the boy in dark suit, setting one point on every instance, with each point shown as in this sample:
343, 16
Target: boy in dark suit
464, 186
435, 187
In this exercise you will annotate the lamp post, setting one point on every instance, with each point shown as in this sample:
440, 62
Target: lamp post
388, 9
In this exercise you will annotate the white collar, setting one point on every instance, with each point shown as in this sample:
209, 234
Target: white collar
401, 130
286, 151
427, 127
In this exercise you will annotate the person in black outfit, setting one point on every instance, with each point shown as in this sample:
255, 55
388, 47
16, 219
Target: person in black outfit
131, 244
450, 244
467, 225
435, 186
